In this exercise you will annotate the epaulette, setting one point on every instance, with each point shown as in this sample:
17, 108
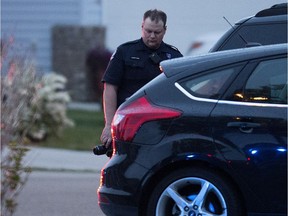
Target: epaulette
173, 47
131, 42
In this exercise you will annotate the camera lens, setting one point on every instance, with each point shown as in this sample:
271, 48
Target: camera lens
99, 150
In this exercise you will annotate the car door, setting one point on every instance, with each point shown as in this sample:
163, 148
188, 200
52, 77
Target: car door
250, 130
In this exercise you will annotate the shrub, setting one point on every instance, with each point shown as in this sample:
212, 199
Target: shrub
31, 108
17, 90
48, 108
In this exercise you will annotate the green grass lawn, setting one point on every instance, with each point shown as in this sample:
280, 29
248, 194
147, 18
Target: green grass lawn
83, 136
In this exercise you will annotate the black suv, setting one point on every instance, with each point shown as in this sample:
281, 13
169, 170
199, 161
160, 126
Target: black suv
268, 26
208, 136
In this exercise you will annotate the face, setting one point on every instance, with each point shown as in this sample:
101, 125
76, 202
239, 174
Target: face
153, 33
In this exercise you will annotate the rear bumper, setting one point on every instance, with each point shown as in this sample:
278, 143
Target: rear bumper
118, 210
119, 192
114, 208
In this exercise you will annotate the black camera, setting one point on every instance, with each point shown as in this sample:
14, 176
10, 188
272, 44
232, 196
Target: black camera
101, 149
155, 58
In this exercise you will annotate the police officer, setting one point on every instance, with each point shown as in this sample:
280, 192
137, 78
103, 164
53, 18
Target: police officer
134, 64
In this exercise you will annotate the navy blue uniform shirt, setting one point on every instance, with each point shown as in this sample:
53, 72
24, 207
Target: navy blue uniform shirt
133, 65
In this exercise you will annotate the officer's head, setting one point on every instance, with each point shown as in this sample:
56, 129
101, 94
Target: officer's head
153, 28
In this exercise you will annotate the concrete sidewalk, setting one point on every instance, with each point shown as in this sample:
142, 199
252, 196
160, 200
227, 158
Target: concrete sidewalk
89, 106
64, 160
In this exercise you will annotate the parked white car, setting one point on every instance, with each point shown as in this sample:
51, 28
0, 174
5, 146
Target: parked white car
203, 43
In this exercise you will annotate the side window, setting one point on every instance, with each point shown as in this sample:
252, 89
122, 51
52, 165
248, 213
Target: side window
267, 83
208, 85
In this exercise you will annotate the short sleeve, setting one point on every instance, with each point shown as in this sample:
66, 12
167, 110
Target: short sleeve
115, 69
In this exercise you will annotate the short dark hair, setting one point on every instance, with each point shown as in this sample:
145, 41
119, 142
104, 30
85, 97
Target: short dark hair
156, 15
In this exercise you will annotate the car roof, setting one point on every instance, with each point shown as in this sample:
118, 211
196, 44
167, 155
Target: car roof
275, 13
211, 60
264, 19
278, 9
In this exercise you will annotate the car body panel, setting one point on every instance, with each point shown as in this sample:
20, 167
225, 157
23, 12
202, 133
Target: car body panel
257, 152
246, 142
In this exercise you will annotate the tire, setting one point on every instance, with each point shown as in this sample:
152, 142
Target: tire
193, 192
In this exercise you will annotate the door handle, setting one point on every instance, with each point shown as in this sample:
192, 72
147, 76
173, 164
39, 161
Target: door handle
245, 127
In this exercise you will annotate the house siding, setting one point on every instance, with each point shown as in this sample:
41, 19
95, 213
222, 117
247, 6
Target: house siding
30, 23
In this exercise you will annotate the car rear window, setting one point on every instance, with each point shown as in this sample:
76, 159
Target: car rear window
263, 34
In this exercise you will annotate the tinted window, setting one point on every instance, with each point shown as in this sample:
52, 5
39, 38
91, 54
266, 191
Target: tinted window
208, 85
264, 34
267, 83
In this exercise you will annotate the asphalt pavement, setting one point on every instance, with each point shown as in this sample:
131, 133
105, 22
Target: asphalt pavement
62, 183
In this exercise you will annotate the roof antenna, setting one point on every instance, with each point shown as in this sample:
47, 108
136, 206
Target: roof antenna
234, 29
248, 44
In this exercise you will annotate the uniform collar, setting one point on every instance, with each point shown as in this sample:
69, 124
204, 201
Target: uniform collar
142, 46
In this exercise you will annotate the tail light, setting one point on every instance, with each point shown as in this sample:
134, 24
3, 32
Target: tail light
128, 120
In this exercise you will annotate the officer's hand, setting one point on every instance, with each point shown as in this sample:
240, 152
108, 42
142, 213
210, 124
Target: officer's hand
106, 137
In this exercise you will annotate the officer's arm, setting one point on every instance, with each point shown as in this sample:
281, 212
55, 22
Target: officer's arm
109, 105
109, 102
